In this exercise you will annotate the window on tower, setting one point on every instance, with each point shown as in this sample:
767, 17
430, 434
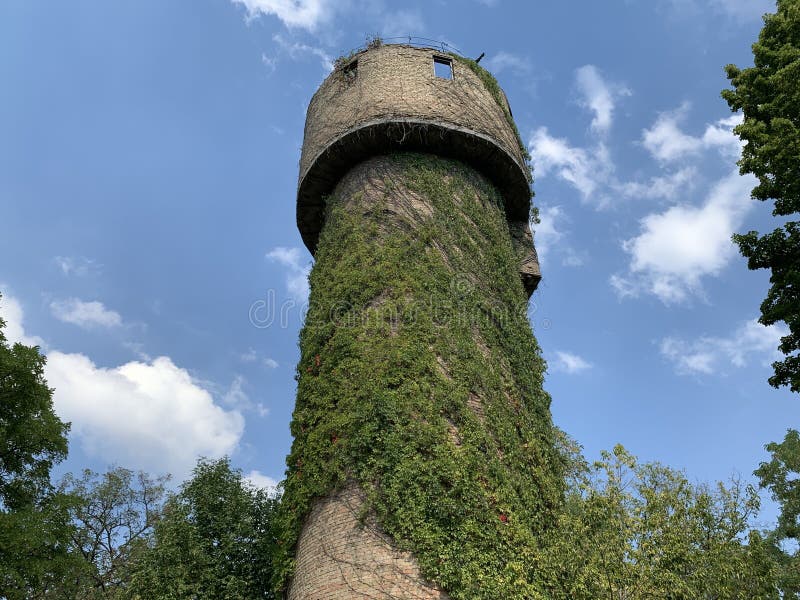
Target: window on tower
350, 70
442, 67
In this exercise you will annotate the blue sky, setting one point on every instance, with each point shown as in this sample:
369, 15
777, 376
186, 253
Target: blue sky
148, 164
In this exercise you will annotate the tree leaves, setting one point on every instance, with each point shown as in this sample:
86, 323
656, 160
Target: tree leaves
769, 96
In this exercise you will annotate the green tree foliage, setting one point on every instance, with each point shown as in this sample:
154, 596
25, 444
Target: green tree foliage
113, 516
781, 475
34, 524
213, 542
642, 531
769, 96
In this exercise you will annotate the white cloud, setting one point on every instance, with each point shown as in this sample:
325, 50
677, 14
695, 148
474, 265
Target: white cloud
71, 265
257, 479
666, 186
707, 354
505, 61
148, 414
251, 356
570, 363
269, 62
84, 314
296, 271
599, 96
306, 14
591, 172
547, 233
586, 170
11, 311
237, 398
677, 248
145, 415
667, 142
297, 50
549, 237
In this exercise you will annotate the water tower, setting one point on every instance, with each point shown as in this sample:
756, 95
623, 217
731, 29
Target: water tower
424, 460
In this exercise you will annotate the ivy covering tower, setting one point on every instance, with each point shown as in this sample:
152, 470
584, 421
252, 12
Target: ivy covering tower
424, 462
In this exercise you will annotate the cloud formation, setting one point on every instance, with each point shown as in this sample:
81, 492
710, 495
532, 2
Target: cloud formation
296, 51
258, 480
78, 266
305, 14
708, 355
296, 270
85, 314
148, 414
585, 169
570, 363
599, 96
667, 142
680, 246
11, 311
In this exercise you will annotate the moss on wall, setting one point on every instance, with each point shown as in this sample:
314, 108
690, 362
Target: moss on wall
420, 379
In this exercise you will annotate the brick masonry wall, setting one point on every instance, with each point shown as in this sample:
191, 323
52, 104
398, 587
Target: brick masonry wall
339, 557
393, 82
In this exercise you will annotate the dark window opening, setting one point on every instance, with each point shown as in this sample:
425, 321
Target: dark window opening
442, 67
350, 70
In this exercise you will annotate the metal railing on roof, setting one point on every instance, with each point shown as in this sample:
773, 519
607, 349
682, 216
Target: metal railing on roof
409, 40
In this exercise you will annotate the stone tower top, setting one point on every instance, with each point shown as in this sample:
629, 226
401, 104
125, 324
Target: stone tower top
400, 97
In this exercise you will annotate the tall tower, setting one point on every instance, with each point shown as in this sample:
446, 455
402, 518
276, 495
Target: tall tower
424, 463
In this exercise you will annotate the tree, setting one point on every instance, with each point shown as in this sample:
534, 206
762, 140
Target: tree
782, 476
34, 524
214, 540
642, 531
113, 516
768, 94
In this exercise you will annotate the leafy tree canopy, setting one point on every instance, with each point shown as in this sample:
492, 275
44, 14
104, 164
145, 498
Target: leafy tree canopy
644, 531
768, 94
781, 475
34, 524
214, 541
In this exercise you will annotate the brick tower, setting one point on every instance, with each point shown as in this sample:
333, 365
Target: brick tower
424, 463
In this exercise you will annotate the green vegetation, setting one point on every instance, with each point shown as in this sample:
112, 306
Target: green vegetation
384, 383
496, 504
643, 531
32, 440
781, 475
213, 541
769, 96
113, 516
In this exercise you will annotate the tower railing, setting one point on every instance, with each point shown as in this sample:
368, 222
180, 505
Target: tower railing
410, 40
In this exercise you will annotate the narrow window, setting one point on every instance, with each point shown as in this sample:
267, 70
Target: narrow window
442, 67
350, 70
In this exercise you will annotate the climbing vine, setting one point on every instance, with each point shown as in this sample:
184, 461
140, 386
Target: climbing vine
421, 381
